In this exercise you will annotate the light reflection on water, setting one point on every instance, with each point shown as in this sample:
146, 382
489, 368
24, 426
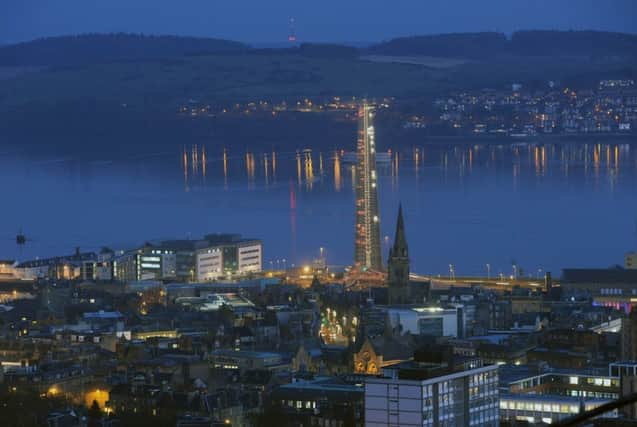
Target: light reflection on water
544, 206
604, 159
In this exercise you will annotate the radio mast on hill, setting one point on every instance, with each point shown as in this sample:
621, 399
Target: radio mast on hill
292, 32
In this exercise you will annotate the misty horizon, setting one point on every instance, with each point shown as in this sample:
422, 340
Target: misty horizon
355, 22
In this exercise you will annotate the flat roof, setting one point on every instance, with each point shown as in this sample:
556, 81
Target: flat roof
247, 353
551, 398
491, 338
324, 383
103, 315
599, 275
510, 374
418, 308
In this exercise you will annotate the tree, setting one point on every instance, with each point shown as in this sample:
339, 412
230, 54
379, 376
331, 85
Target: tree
94, 414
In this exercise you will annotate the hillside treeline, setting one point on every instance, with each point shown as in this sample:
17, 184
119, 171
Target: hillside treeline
99, 48
521, 43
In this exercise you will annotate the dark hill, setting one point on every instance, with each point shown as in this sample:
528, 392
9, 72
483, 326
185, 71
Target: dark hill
101, 48
460, 45
522, 43
573, 43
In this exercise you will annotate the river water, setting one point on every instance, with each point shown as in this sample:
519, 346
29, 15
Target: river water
542, 207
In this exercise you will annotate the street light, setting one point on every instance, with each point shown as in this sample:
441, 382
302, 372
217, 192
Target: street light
452, 273
539, 273
488, 271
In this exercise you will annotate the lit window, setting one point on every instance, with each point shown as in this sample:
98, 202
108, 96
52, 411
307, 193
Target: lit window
573, 380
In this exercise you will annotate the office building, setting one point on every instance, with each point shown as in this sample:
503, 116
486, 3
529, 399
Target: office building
78, 266
627, 374
104, 267
534, 396
367, 254
604, 284
431, 321
548, 409
434, 389
7, 270
209, 264
207, 259
228, 255
145, 263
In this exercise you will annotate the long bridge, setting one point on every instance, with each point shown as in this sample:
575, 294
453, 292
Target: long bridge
498, 283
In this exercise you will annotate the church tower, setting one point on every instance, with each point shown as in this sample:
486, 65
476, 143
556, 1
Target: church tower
398, 265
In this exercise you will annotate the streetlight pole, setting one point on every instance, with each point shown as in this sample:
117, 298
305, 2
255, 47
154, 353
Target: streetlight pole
488, 271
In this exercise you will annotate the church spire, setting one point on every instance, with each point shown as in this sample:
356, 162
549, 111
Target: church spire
400, 241
398, 265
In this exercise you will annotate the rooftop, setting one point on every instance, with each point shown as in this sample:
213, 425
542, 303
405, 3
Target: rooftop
103, 315
333, 389
207, 241
428, 364
615, 274
551, 398
85, 256
247, 354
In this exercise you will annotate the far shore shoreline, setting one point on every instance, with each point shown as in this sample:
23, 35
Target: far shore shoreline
538, 139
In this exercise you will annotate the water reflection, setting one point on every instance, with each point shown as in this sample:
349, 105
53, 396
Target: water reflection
185, 167
225, 168
293, 234
416, 160
525, 160
298, 168
394, 169
194, 164
337, 171
204, 161
309, 170
273, 164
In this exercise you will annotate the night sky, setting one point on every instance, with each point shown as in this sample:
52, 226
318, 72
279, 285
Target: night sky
261, 21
